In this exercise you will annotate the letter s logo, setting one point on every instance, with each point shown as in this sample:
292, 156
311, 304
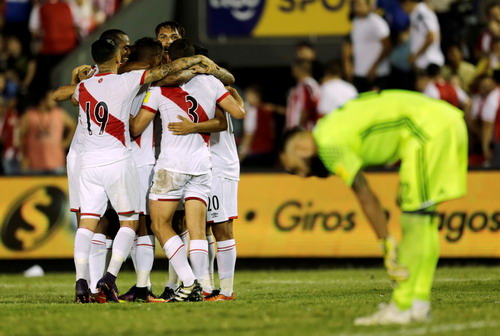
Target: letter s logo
33, 218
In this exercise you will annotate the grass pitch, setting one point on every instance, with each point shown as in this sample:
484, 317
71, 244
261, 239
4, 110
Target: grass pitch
466, 301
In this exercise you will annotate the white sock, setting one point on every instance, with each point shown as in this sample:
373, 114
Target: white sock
109, 251
121, 248
226, 261
176, 253
211, 260
198, 256
97, 260
144, 255
173, 278
83, 240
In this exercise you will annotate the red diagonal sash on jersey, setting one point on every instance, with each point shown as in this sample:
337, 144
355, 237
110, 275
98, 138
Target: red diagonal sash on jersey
137, 140
114, 127
178, 96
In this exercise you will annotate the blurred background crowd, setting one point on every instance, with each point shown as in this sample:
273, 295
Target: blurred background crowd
446, 49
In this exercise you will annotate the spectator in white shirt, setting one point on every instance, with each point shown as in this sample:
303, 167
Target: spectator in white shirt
334, 92
365, 56
425, 35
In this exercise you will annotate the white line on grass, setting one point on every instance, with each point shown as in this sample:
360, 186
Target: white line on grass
436, 329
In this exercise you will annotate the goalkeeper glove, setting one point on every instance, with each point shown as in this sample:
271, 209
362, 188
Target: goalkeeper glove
395, 271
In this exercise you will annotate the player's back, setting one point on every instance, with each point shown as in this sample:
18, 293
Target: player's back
376, 125
196, 100
104, 113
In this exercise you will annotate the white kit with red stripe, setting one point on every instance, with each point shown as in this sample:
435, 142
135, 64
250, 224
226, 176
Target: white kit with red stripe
105, 101
196, 99
108, 171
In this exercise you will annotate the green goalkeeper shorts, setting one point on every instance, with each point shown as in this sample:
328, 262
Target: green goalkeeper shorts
434, 170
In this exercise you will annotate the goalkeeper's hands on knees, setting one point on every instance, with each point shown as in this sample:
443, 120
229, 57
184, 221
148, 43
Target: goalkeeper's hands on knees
395, 271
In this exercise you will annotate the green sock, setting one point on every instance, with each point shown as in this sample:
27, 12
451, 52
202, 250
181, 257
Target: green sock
419, 252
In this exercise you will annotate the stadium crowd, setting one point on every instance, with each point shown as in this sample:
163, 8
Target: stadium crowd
447, 49
35, 36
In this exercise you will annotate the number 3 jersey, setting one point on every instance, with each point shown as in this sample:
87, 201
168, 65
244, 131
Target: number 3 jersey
105, 101
196, 100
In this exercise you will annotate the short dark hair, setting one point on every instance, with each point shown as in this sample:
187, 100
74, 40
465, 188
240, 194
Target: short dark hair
172, 25
334, 68
287, 135
304, 44
199, 50
146, 48
433, 70
180, 48
114, 34
103, 50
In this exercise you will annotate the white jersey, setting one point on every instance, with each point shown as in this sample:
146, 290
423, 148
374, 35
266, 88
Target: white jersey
75, 148
105, 101
422, 21
143, 151
334, 93
196, 99
366, 36
225, 161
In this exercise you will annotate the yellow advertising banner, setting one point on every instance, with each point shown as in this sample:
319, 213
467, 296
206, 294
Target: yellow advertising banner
279, 216
277, 18
287, 216
303, 18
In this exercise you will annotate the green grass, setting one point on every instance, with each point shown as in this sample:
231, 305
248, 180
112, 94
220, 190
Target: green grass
466, 301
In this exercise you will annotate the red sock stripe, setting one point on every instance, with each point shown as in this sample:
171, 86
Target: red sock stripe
211, 243
205, 251
184, 234
145, 245
74, 210
169, 199
173, 255
226, 248
98, 242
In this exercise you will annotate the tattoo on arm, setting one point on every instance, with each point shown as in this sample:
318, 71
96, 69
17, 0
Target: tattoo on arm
161, 71
178, 78
224, 76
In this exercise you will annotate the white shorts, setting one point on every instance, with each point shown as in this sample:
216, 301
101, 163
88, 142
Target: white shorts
145, 179
223, 201
169, 186
73, 169
118, 182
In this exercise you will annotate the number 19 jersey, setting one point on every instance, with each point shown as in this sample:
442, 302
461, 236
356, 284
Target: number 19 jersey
196, 100
104, 113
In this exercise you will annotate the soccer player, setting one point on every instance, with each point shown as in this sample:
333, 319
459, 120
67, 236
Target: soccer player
183, 170
107, 168
223, 200
430, 138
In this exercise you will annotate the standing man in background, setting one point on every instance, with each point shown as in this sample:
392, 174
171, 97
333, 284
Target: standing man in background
425, 35
365, 56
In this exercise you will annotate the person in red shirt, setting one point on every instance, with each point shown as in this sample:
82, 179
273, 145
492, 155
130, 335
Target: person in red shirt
301, 109
257, 145
53, 24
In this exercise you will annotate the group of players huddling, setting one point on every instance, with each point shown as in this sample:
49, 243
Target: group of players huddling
112, 171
